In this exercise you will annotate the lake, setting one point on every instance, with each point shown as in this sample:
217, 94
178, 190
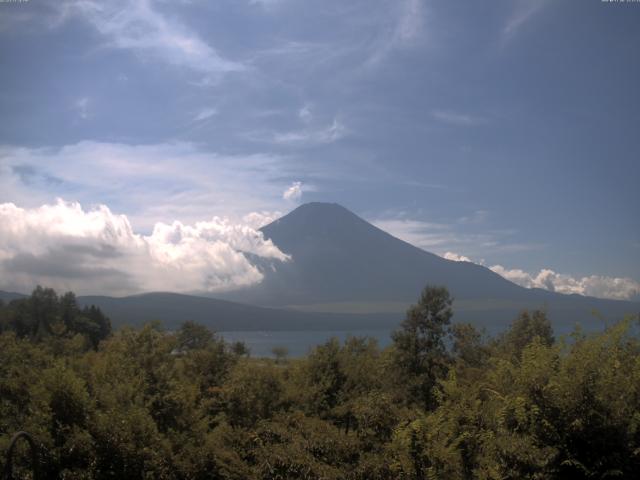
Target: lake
299, 343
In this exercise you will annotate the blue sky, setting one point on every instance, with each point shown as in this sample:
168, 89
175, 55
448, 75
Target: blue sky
505, 131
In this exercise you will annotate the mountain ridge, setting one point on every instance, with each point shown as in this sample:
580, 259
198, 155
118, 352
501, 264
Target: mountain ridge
172, 309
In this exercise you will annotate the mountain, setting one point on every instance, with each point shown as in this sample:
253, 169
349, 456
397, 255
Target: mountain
337, 256
341, 263
6, 297
173, 309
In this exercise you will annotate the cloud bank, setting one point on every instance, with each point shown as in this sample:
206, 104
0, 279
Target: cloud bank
96, 251
614, 288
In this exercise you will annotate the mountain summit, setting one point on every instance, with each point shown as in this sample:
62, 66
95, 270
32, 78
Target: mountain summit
337, 256
316, 216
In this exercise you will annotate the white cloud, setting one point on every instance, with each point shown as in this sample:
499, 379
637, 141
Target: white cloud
455, 257
515, 275
258, 220
96, 251
523, 12
148, 182
438, 238
593, 285
81, 106
309, 136
410, 22
610, 287
205, 114
305, 114
135, 25
294, 192
408, 25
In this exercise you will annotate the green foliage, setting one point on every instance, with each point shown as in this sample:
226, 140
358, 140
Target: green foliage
280, 353
193, 336
524, 330
253, 392
45, 316
420, 351
468, 346
240, 349
146, 403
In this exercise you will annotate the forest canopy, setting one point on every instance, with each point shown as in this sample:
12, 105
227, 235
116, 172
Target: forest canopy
442, 401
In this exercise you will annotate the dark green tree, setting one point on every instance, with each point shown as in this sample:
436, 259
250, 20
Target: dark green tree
34, 316
193, 336
280, 353
94, 324
240, 349
69, 311
524, 330
420, 350
468, 346
323, 378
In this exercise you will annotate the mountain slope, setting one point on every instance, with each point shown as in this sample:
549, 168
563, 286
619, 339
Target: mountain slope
173, 309
6, 297
337, 257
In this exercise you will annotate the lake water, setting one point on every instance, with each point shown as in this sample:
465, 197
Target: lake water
299, 343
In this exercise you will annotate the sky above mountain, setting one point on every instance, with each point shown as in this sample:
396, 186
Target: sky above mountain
164, 133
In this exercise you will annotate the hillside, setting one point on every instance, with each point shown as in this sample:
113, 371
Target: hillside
173, 309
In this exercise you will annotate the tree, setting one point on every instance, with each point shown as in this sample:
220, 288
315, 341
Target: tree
468, 346
524, 330
69, 310
43, 308
280, 353
252, 394
101, 327
4, 317
420, 351
34, 316
323, 378
193, 336
240, 349
44, 315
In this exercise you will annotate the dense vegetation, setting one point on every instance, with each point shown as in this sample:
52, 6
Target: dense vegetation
442, 401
